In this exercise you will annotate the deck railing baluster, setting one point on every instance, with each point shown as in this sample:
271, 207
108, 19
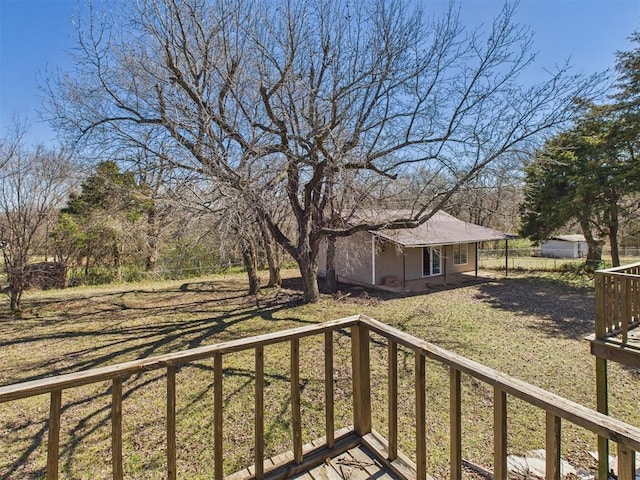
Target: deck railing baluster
626, 463
601, 301
499, 434
626, 308
171, 422
393, 399
553, 429
53, 446
116, 428
421, 417
328, 389
218, 461
455, 423
296, 419
613, 320
259, 413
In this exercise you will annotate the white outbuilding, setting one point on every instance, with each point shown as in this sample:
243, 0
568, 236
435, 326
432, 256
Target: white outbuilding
565, 246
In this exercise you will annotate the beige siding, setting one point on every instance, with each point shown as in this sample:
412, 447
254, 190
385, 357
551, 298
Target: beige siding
353, 258
471, 260
388, 262
354, 261
414, 263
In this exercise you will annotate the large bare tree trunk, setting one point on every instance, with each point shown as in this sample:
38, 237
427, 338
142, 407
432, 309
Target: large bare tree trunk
16, 287
15, 301
275, 279
309, 274
250, 262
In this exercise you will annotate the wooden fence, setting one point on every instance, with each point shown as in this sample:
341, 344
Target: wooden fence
556, 408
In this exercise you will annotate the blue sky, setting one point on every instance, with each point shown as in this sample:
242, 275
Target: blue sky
36, 35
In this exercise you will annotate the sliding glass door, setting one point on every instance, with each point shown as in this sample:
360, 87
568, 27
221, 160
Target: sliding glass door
431, 261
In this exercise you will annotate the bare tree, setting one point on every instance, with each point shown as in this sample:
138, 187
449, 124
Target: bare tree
493, 198
34, 185
279, 99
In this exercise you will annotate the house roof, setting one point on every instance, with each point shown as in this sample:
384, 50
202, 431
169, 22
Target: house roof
570, 238
441, 229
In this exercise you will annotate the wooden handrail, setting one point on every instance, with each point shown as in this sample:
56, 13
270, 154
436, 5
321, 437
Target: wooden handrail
631, 267
555, 407
549, 402
72, 380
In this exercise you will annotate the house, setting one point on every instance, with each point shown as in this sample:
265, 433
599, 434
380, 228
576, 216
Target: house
565, 246
409, 258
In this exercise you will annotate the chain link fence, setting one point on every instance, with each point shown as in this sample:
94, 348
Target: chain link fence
532, 259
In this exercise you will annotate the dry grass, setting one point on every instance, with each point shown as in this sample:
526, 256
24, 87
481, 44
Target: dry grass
529, 327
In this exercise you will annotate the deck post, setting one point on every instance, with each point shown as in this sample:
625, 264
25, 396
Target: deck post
218, 461
393, 399
116, 428
171, 422
53, 446
421, 417
602, 394
361, 379
553, 432
455, 423
602, 401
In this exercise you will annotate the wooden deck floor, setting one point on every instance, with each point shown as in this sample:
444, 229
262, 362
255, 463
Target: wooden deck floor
355, 464
352, 458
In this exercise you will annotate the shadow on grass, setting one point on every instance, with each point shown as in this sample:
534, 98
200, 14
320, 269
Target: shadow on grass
566, 311
117, 326
147, 322
135, 324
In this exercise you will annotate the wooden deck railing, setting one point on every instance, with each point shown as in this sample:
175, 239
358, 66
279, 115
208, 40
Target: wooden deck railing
557, 409
617, 292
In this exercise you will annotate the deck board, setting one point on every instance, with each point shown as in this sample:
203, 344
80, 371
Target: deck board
355, 464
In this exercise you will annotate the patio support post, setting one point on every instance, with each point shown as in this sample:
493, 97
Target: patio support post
506, 258
443, 259
404, 269
477, 259
373, 260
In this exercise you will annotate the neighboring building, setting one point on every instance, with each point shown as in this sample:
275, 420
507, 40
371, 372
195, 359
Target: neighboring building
565, 246
409, 258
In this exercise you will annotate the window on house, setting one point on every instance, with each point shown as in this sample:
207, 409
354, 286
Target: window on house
460, 254
431, 261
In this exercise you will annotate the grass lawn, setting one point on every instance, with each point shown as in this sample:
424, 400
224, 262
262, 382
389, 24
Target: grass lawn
531, 327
